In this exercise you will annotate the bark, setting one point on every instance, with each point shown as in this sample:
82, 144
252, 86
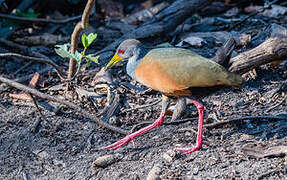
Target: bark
165, 21
272, 49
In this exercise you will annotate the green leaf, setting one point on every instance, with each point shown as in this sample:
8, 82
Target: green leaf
91, 57
84, 40
77, 56
89, 63
91, 38
29, 14
63, 51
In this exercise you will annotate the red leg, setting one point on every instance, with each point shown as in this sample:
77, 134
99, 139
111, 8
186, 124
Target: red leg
158, 122
130, 137
198, 145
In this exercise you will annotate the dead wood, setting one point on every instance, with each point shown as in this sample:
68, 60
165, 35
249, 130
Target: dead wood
67, 103
35, 56
273, 49
165, 21
141, 107
39, 120
29, 76
145, 14
276, 151
217, 124
83, 24
39, 20
268, 173
235, 120
35, 59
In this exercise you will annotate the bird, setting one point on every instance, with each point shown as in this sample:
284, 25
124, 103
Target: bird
176, 73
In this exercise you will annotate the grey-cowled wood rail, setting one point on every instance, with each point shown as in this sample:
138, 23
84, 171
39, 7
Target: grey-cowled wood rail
174, 72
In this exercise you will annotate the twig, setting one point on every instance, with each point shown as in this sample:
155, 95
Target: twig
165, 21
27, 51
40, 20
282, 88
39, 120
14, 45
261, 176
252, 14
43, 105
29, 76
21, 68
276, 105
235, 120
40, 60
34, 128
67, 103
112, 107
179, 121
176, 122
83, 24
141, 107
37, 107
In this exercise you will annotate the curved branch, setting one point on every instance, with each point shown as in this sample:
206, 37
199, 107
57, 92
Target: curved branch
39, 20
165, 21
83, 24
40, 60
274, 48
67, 103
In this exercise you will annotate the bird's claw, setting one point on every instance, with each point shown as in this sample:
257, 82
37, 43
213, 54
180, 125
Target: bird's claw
188, 150
120, 143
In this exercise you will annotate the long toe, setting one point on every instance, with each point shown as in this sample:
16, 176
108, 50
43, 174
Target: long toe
188, 150
119, 143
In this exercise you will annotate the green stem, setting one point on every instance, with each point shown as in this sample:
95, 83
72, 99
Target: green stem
83, 52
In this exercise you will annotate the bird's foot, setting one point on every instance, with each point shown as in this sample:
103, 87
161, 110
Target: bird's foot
121, 142
130, 137
189, 150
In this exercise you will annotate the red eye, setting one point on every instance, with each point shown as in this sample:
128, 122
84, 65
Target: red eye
121, 51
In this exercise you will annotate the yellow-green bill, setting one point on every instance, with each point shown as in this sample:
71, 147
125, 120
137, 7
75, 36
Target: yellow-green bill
113, 61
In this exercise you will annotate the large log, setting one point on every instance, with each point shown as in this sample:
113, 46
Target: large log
272, 49
164, 22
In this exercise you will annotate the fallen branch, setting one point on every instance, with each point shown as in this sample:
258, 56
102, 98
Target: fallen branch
14, 45
272, 49
39, 57
141, 107
268, 173
236, 120
259, 152
278, 104
267, 6
40, 60
67, 103
39, 120
216, 124
165, 21
29, 76
40, 20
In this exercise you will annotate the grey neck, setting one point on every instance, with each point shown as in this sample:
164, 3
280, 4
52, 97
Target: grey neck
134, 61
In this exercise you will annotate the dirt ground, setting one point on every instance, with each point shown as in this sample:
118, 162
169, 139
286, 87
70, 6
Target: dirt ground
69, 146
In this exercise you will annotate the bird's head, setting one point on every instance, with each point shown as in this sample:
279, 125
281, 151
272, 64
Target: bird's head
126, 50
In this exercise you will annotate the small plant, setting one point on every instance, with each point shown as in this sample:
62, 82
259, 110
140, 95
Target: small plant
87, 40
29, 14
